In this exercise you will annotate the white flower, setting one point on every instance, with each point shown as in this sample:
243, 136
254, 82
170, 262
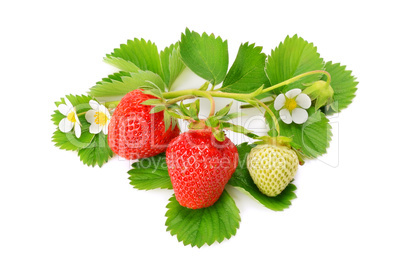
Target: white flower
99, 118
71, 121
292, 105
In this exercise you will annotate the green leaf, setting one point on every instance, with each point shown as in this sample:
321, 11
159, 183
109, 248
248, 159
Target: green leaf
247, 72
344, 85
125, 84
156, 92
172, 65
236, 128
224, 111
312, 137
231, 116
206, 55
57, 116
194, 109
150, 173
157, 109
184, 110
115, 76
136, 55
152, 102
218, 134
67, 141
197, 227
97, 153
121, 64
204, 87
167, 120
293, 57
212, 121
178, 116
241, 179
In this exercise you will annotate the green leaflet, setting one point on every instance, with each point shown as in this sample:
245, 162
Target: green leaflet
197, 227
292, 57
140, 55
242, 179
115, 76
69, 142
120, 84
122, 64
172, 65
247, 72
150, 173
206, 55
344, 85
97, 153
312, 137
136, 55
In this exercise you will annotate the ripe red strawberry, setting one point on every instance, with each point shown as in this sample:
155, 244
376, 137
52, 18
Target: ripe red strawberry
135, 133
199, 167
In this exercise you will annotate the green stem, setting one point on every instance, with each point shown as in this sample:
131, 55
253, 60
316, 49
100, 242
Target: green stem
247, 106
198, 93
211, 99
176, 96
297, 77
239, 96
269, 111
173, 101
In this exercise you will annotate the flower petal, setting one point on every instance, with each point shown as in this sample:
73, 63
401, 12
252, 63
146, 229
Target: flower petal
94, 104
95, 128
285, 116
299, 115
303, 100
105, 128
90, 116
102, 107
107, 114
77, 121
104, 110
77, 129
65, 125
279, 102
64, 109
293, 93
68, 103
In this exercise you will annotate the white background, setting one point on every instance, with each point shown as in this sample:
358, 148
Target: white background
56, 212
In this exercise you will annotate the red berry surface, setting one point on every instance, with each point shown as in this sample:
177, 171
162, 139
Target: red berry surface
135, 133
200, 167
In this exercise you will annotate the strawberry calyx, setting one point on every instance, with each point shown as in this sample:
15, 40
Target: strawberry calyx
198, 124
281, 141
219, 122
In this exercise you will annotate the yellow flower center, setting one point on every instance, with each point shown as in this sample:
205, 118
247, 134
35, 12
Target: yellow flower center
290, 104
71, 117
100, 118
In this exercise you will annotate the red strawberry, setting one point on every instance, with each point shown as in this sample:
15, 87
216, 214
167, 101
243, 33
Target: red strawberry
135, 133
199, 167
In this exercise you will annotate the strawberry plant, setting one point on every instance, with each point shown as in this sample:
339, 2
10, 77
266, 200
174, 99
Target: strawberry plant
135, 114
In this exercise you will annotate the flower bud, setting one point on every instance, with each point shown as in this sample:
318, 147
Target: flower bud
321, 92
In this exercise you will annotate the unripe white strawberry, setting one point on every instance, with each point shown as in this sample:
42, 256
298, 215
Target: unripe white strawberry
272, 167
